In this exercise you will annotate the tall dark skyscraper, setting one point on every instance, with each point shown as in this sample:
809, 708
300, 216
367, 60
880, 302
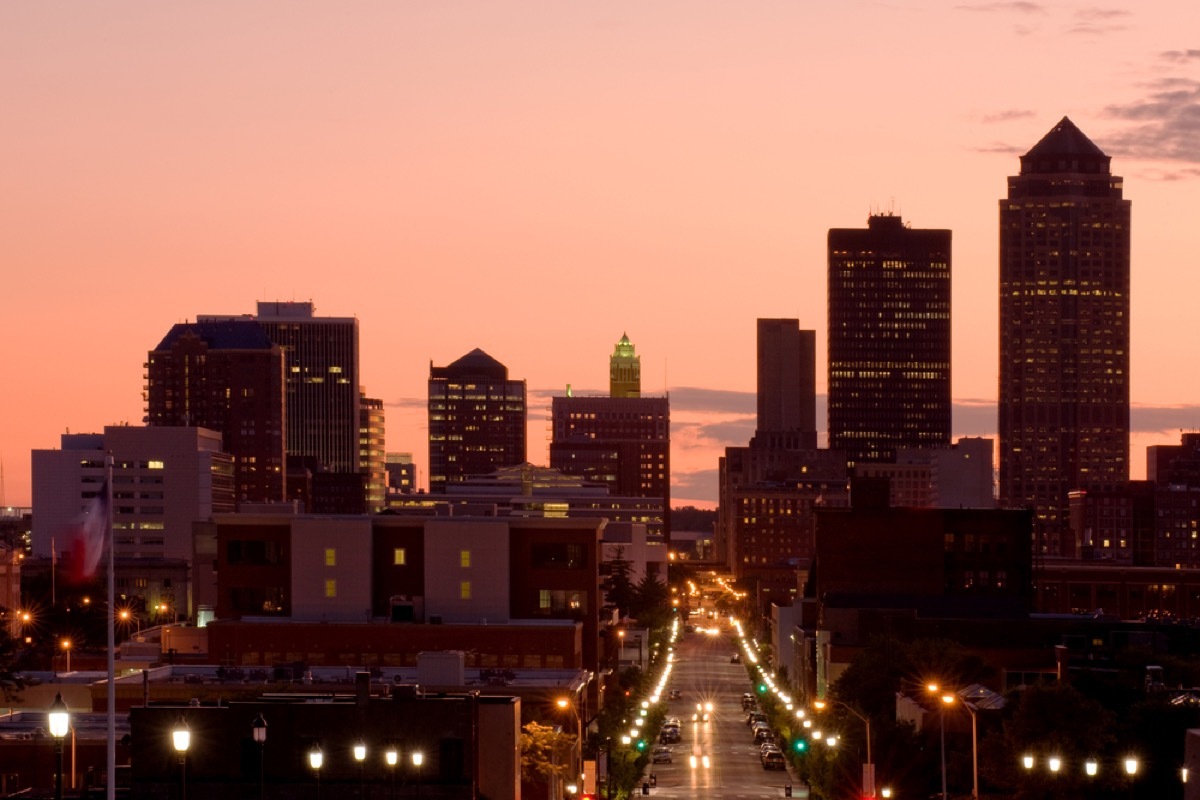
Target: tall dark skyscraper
322, 381
787, 392
476, 419
1064, 330
228, 377
622, 441
889, 339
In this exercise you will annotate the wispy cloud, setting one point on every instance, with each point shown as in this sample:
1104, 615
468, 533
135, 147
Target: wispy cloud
1015, 6
1180, 56
407, 402
1002, 148
1098, 21
1165, 125
1007, 115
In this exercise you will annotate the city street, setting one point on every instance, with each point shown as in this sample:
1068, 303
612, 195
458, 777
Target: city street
704, 674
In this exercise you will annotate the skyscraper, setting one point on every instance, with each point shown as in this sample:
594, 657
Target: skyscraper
622, 441
228, 377
321, 381
476, 419
787, 392
1064, 329
889, 339
624, 370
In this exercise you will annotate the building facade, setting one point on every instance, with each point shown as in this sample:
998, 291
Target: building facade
476, 419
787, 373
229, 377
164, 480
1064, 330
889, 339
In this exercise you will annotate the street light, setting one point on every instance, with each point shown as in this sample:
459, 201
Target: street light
66, 646
258, 729
868, 776
392, 758
181, 737
360, 755
315, 759
418, 758
60, 723
946, 700
954, 698
565, 703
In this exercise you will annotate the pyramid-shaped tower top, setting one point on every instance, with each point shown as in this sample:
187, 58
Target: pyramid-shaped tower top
1065, 149
474, 364
624, 370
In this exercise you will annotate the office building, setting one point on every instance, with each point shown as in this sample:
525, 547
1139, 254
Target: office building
164, 480
321, 380
226, 376
787, 391
373, 454
622, 441
624, 370
476, 419
1064, 330
401, 474
889, 339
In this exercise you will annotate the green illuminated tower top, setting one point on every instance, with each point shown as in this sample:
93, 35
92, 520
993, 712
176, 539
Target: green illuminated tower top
624, 370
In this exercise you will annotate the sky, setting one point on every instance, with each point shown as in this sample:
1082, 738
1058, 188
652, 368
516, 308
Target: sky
537, 178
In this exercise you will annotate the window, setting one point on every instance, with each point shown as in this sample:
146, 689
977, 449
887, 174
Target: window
464, 590
399, 557
464, 558
330, 557
331, 588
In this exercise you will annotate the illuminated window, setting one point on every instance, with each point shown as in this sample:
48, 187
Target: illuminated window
464, 590
331, 588
155, 465
399, 557
330, 557
464, 558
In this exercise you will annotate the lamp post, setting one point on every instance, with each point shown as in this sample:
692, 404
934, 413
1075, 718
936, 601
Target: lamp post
950, 699
258, 729
946, 700
1131, 767
60, 723
66, 646
315, 759
565, 703
868, 776
181, 738
418, 758
392, 757
360, 755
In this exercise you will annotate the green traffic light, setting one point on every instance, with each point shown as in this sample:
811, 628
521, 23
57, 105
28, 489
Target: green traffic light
800, 745
762, 688
641, 745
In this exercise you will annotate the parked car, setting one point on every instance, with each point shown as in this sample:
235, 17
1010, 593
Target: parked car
747, 701
755, 716
736, 658
773, 759
661, 755
674, 694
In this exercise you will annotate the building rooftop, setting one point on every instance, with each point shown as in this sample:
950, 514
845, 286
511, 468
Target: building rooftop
222, 335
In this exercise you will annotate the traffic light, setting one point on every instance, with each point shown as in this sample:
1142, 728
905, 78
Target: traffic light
800, 745
762, 688
641, 745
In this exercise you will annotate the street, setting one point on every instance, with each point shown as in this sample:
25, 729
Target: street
703, 673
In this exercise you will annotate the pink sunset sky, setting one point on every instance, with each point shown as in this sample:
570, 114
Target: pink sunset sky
537, 178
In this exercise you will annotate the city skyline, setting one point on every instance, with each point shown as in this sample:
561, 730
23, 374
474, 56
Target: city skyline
535, 181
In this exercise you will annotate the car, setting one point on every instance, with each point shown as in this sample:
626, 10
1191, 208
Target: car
672, 721
661, 755
674, 694
763, 735
700, 716
747, 701
773, 759
755, 716
766, 747
736, 658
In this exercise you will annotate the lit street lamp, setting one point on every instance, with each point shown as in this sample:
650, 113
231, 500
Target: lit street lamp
60, 723
360, 755
258, 729
315, 759
418, 758
181, 737
392, 757
66, 646
868, 776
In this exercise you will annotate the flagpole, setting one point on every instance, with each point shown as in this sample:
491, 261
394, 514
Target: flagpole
111, 782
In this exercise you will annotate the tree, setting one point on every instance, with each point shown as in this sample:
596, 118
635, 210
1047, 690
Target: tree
621, 592
651, 603
545, 753
11, 663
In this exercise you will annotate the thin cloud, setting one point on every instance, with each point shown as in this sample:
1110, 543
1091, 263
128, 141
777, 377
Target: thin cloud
692, 398
1007, 115
1165, 125
1017, 6
407, 402
699, 484
1000, 147
1180, 56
